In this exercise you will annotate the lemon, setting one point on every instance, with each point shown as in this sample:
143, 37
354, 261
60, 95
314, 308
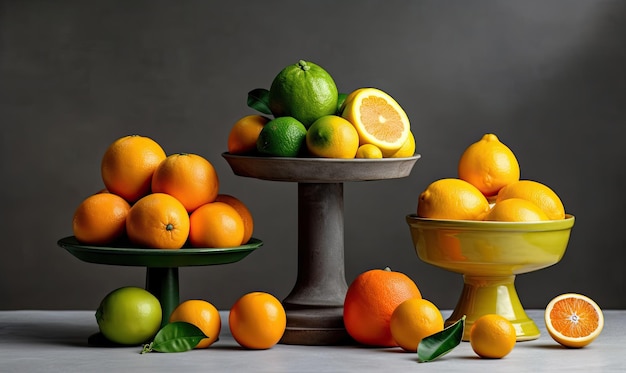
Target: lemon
368, 151
282, 137
452, 199
516, 209
332, 136
537, 193
129, 316
489, 165
406, 150
304, 91
378, 119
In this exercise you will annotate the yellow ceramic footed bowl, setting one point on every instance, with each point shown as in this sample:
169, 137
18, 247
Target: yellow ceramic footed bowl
489, 255
489, 248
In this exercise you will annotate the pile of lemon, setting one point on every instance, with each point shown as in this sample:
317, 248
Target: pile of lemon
488, 187
160, 201
309, 118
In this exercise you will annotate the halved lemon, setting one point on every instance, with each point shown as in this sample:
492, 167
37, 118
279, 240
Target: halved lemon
573, 320
378, 119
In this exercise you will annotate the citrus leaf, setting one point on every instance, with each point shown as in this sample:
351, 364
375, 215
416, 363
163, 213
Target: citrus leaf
176, 336
439, 344
259, 99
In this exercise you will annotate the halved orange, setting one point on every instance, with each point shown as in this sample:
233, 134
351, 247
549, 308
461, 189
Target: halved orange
573, 320
378, 119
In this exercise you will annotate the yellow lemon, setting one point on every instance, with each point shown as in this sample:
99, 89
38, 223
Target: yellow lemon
332, 136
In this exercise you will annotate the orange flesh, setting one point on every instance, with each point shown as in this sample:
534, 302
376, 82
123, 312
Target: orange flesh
381, 119
574, 318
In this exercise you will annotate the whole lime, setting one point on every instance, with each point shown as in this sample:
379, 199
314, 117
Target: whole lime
129, 316
282, 137
304, 91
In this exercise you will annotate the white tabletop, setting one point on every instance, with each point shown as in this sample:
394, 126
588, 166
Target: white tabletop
56, 341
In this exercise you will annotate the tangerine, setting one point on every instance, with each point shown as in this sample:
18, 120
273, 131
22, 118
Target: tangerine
244, 212
573, 320
158, 221
128, 164
190, 178
203, 315
257, 321
100, 219
216, 224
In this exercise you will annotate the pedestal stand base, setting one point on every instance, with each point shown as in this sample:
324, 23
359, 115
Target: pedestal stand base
493, 294
315, 326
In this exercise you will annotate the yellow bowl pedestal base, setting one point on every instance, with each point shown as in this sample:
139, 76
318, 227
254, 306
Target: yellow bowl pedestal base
492, 294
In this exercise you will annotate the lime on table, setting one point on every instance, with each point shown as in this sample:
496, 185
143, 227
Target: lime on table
129, 316
304, 91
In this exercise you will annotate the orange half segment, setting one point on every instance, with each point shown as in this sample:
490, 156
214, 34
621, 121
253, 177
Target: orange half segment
573, 320
378, 119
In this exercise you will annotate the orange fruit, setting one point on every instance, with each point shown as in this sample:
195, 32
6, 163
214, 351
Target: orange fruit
100, 219
244, 212
492, 336
413, 320
537, 193
202, 314
489, 165
189, 177
332, 136
158, 221
244, 133
573, 320
128, 164
370, 301
516, 209
257, 321
452, 199
378, 119
216, 224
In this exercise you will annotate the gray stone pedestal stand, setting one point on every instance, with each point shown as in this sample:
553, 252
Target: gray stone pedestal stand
315, 305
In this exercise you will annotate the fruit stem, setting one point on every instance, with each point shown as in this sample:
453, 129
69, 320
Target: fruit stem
387, 269
303, 65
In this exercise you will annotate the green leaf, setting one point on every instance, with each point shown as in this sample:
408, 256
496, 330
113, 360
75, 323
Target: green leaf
439, 344
176, 336
259, 100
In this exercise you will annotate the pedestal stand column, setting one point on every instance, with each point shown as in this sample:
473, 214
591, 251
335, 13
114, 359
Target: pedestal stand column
315, 305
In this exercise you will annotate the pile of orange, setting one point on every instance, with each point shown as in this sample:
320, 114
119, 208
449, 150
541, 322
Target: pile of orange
160, 201
488, 187
310, 118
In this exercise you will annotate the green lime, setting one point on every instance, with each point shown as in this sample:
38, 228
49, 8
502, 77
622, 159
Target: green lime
341, 98
304, 91
282, 137
129, 316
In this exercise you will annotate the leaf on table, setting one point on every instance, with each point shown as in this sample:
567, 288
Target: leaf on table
259, 100
176, 336
439, 344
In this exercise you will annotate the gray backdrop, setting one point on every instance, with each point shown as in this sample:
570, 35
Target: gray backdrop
549, 78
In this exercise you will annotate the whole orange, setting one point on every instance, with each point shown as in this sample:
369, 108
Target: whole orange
244, 133
413, 320
370, 301
158, 221
100, 219
128, 164
202, 314
244, 212
190, 178
257, 320
215, 224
